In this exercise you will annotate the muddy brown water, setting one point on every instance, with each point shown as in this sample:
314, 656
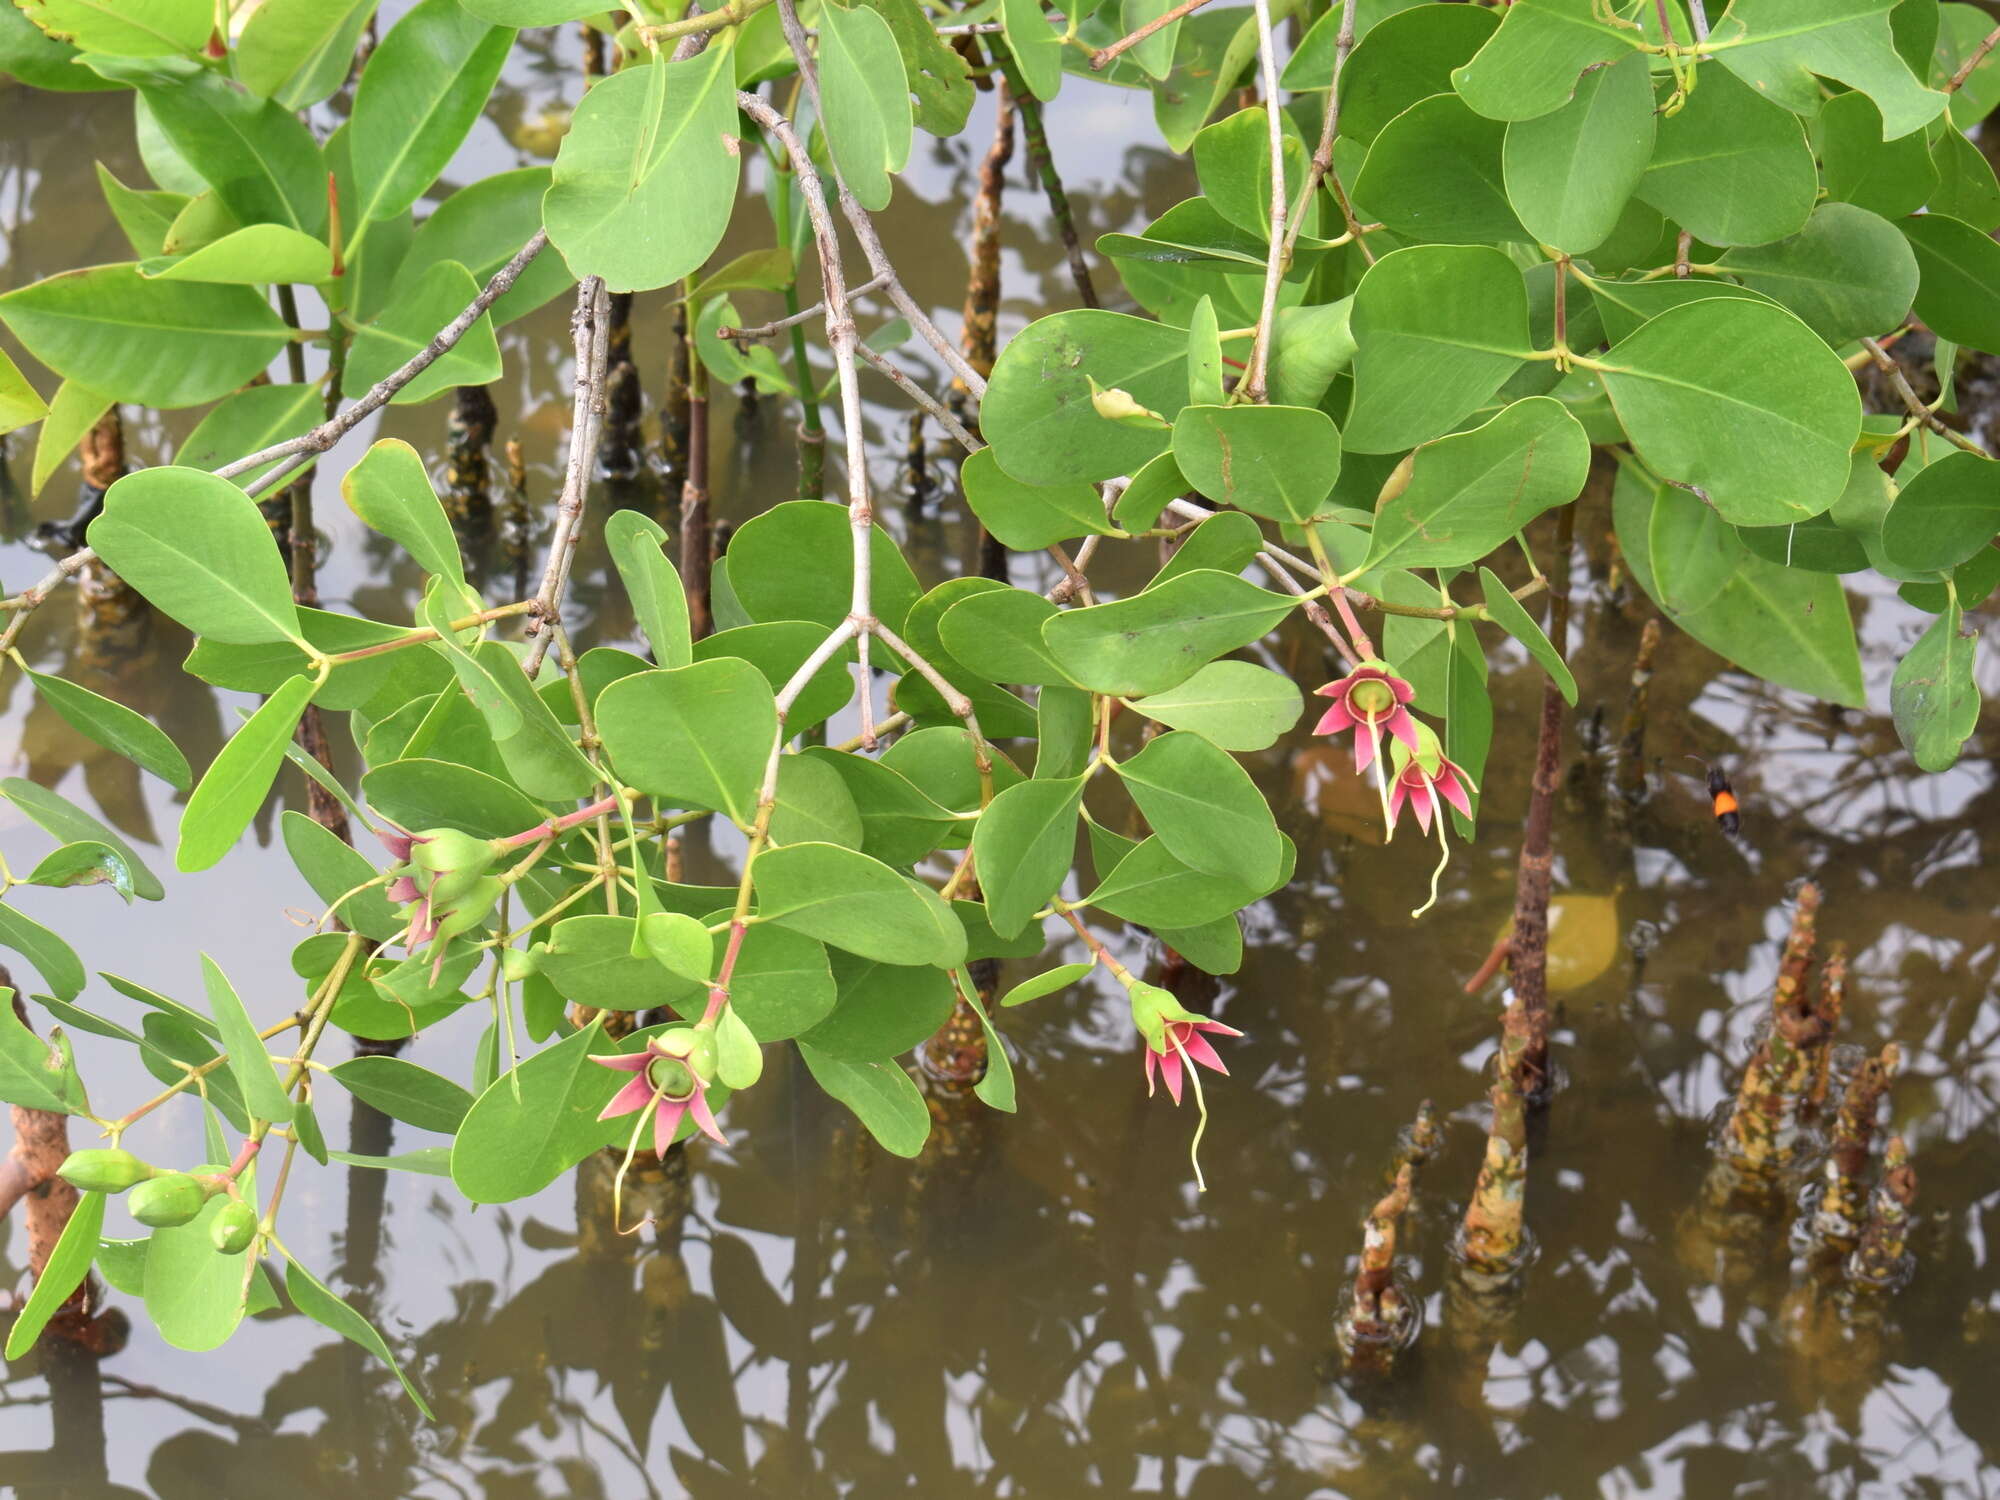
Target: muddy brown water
1042, 1306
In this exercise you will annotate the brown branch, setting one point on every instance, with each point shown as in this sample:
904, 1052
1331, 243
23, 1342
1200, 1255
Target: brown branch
922, 397
590, 326
1104, 57
1044, 162
1977, 56
1886, 363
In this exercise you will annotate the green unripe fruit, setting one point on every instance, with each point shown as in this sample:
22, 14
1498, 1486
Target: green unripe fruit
670, 1076
169, 1199
233, 1228
105, 1171
518, 965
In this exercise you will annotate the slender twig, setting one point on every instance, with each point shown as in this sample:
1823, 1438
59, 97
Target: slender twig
701, 23
1698, 15
804, 315
1105, 56
1257, 374
922, 397
1321, 167
590, 325
1043, 159
301, 450
1918, 408
1977, 56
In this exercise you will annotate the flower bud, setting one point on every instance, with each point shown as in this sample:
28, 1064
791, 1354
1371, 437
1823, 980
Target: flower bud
105, 1171
1152, 1008
233, 1228
168, 1199
518, 965
454, 860
470, 910
693, 1045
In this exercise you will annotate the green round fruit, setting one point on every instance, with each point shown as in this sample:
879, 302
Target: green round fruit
233, 1228
169, 1199
105, 1171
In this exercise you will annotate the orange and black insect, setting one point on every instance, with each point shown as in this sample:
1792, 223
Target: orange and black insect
1727, 810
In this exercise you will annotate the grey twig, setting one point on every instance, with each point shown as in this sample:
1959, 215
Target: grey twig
590, 326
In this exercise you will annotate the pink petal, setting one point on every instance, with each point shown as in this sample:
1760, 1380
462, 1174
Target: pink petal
1198, 1050
1336, 720
1397, 792
422, 928
1170, 1070
403, 890
397, 843
1402, 726
1454, 791
1331, 690
1421, 801
1364, 750
667, 1123
1403, 691
1150, 1057
705, 1118
633, 1095
626, 1062
1215, 1026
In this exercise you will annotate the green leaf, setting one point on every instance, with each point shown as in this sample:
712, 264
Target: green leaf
53, 958
1782, 50
1156, 53
1468, 493
75, 410
288, 48
1279, 462
424, 793
795, 561
68, 1263
390, 490
334, 868
540, 756
783, 985
84, 864
403, 1091
995, 1087
1732, 168
1935, 692
1153, 888
1966, 187
248, 422
130, 28
311, 1297
1694, 550
638, 549
677, 942
1785, 625
1945, 515
1204, 808
900, 824
197, 548
1624, 305
940, 79
248, 1062
865, 94
813, 806
595, 961
1236, 705
1022, 847
1890, 178
647, 174
431, 1161
1847, 274
778, 649
1530, 66
1435, 174
195, 1294
1158, 639
259, 157
1468, 715
115, 727
1509, 614
417, 308
64, 820
19, 402
881, 1096
1406, 57
1569, 173
420, 93
998, 634
155, 343
481, 226
1037, 413
1214, 50
256, 255
855, 903
1959, 294
234, 785
1742, 401
1037, 49
1046, 983
883, 1011
1029, 517
33, 1073
1438, 329
695, 737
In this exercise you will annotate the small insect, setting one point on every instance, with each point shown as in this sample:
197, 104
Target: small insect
1727, 814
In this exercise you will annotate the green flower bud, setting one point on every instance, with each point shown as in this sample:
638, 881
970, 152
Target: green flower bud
105, 1171
168, 1199
471, 909
518, 965
454, 860
1152, 1008
233, 1228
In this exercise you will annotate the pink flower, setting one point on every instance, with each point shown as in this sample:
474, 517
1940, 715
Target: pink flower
1185, 1039
665, 1083
1421, 785
1367, 701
